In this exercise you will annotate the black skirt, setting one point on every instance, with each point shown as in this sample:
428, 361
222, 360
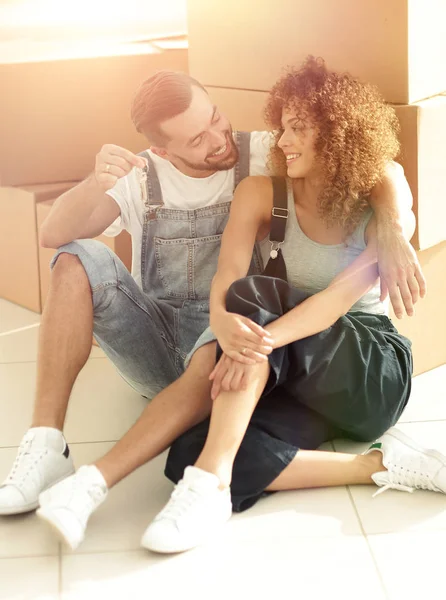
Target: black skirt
351, 380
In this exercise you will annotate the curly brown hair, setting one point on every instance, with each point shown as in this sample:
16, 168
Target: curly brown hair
357, 135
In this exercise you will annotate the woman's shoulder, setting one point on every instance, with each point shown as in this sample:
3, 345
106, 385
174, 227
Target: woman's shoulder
254, 196
255, 187
260, 182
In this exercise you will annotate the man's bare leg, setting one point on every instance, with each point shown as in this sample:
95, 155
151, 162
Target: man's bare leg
64, 341
62, 355
64, 345
181, 405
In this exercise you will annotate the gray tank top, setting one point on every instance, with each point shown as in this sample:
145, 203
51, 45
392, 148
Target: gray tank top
312, 266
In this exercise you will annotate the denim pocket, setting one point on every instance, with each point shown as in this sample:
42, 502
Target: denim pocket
186, 266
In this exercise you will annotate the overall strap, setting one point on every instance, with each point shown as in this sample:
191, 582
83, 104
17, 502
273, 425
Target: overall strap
276, 264
241, 169
154, 194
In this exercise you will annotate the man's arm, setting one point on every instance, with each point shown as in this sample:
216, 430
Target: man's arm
399, 269
87, 210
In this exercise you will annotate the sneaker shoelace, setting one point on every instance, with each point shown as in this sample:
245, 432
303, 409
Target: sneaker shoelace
82, 496
407, 479
96, 494
183, 497
25, 462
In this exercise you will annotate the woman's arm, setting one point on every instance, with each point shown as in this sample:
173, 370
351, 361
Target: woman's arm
324, 308
320, 311
250, 210
316, 313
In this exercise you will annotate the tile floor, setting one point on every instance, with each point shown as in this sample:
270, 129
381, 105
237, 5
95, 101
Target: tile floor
313, 544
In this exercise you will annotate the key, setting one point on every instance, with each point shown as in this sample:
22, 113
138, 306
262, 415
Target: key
143, 184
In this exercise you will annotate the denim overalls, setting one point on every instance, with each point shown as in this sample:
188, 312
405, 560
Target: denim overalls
148, 333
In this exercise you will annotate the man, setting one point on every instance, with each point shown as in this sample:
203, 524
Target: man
147, 323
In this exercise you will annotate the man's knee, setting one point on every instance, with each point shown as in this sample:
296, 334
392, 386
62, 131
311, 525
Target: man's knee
88, 261
202, 362
69, 268
66, 261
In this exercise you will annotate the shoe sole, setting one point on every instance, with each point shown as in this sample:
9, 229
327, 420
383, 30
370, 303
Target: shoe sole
58, 528
33, 505
405, 439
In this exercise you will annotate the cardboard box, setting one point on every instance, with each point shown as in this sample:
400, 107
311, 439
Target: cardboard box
121, 245
19, 264
56, 115
427, 329
400, 46
423, 140
243, 108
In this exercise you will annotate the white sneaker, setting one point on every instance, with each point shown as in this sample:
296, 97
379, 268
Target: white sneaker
68, 505
196, 509
409, 466
42, 460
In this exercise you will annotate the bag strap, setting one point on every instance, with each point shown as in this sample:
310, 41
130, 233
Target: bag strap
276, 264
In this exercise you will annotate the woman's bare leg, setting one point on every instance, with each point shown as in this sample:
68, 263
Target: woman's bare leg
231, 413
315, 468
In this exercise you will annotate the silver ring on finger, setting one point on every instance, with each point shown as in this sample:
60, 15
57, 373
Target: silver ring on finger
244, 350
107, 168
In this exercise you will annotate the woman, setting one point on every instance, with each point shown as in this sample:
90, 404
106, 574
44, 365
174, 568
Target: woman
307, 354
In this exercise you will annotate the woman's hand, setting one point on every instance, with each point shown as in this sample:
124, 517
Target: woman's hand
241, 339
229, 376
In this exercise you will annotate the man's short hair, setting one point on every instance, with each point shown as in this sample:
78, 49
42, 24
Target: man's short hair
159, 98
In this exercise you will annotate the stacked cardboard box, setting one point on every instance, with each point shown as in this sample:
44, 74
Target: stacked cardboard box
55, 117
238, 50
19, 264
400, 46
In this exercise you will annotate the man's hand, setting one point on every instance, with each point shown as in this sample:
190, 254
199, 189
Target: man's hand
229, 375
114, 162
400, 271
242, 339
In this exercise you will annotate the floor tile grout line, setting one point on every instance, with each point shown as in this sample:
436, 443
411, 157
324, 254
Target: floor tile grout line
20, 556
27, 362
19, 329
367, 541
60, 582
69, 443
67, 553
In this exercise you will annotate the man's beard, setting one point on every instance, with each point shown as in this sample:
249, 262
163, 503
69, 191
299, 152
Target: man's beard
224, 165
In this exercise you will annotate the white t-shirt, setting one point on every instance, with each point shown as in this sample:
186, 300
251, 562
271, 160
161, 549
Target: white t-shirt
179, 191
